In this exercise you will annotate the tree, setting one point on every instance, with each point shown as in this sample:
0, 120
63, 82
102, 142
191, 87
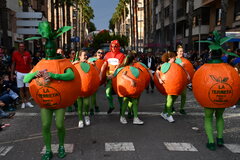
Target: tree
224, 6
171, 25
162, 31
52, 14
190, 23
91, 27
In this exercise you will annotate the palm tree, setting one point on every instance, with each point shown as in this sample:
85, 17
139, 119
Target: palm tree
52, 15
4, 23
224, 6
86, 14
162, 38
190, 23
171, 28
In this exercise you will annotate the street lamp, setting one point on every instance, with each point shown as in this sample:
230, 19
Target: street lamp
199, 37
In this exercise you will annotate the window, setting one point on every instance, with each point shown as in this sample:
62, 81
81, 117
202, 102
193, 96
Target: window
166, 10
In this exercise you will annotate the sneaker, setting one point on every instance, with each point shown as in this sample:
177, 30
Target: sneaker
164, 115
123, 120
61, 152
23, 105
136, 120
211, 146
29, 104
233, 107
220, 142
80, 124
170, 119
47, 156
87, 120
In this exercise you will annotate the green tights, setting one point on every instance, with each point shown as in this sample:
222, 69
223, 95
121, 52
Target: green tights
83, 103
109, 91
208, 121
134, 103
169, 103
46, 116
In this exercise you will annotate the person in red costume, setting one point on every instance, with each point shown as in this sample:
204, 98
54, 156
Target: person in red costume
113, 59
21, 65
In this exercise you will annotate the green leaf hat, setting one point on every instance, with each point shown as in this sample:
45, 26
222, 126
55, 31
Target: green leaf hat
44, 29
218, 42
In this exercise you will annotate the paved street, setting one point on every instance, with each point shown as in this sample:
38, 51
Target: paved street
107, 139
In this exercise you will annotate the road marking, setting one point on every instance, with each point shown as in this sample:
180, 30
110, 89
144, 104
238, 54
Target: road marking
235, 148
180, 147
68, 148
4, 150
124, 146
226, 115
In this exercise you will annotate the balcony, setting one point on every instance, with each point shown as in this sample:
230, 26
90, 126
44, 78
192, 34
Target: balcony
195, 30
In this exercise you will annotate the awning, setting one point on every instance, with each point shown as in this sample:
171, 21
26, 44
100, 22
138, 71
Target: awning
234, 40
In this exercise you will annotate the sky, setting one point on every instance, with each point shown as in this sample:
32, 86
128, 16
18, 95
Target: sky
103, 10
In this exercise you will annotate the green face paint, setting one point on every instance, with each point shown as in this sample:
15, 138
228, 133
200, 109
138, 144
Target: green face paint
50, 48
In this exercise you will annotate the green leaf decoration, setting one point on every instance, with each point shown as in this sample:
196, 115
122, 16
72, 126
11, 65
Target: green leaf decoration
178, 61
143, 65
206, 41
165, 67
135, 72
214, 47
117, 71
224, 40
217, 36
61, 30
92, 59
44, 29
85, 67
229, 53
32, 38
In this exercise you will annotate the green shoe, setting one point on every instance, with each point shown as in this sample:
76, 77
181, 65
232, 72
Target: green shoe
47, 156
61, 152
211, 146
91, 112
182, 111
220, 142
97, 109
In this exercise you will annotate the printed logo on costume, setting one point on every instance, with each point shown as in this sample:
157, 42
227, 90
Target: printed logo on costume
48, 96
221, 92
113, 61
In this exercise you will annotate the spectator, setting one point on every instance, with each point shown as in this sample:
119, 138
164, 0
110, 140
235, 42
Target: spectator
236, 60
5, 114
21, 64
36, 58
60, 51
149, 61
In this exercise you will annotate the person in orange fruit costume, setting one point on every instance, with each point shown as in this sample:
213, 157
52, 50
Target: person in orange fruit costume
113, 59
